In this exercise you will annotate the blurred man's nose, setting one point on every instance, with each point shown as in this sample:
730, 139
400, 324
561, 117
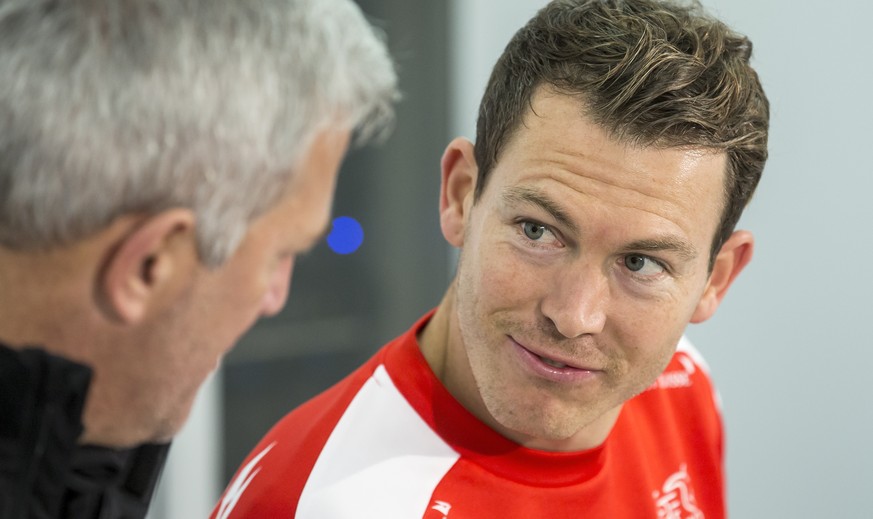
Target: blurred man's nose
277, 291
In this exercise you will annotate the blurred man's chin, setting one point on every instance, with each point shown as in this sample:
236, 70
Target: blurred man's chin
162, 428
170, 427
167, 429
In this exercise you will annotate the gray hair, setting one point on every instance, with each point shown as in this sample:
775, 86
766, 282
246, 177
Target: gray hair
112, 107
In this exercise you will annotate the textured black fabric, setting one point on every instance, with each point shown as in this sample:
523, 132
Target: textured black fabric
44, 473
41, 402
109, 484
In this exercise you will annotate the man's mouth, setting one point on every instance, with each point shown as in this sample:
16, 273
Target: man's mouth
558, 369
553, 363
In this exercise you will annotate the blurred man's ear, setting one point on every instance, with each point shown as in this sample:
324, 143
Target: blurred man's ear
734, 255
459, 174
149, 266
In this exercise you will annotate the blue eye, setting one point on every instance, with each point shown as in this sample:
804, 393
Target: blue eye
635, 263
534, 231
639, 264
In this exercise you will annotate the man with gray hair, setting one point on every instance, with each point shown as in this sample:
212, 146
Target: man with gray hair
162, 162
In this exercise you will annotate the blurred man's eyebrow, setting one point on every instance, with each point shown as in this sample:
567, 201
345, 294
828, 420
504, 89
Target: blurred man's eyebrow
524, 195
321, 236
316, 240
323, 233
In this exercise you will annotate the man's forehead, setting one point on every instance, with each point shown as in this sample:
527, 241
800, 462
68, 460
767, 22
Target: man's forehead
548, 103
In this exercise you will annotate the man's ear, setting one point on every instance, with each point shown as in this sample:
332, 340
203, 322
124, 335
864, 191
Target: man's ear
459, 175
147, 265
734, 255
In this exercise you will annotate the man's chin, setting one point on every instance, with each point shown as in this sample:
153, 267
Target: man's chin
122, 440
155, 432
165, 434
167, 429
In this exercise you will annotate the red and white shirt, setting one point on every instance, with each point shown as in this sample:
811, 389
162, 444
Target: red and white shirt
389, 441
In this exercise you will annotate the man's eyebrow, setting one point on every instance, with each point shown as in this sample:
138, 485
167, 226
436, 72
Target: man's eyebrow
323, 233
524, 195
317, 239
665, 243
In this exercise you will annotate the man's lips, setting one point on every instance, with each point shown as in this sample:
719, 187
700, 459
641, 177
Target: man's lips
552, 363
555, 360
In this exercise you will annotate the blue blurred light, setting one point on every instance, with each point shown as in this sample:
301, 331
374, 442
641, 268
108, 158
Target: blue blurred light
346, 235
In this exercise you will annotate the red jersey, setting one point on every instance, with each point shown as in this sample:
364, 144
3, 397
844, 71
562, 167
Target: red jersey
389, 441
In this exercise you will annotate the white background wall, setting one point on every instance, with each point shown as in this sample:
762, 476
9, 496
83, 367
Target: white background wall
791, 347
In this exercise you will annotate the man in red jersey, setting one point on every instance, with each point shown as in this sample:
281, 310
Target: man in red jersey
617, 145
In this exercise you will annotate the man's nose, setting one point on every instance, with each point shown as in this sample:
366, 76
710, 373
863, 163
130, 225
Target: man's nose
278, 288
577, 302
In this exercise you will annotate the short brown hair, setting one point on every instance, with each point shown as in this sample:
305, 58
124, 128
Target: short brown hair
651, 72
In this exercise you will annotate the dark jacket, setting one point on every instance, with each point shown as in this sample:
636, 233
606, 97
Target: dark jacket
44, 472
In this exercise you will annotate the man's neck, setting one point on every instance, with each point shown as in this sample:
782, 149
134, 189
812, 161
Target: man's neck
443, 348
42, 293
433, 338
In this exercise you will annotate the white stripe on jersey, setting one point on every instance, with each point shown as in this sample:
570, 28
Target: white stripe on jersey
381, 460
